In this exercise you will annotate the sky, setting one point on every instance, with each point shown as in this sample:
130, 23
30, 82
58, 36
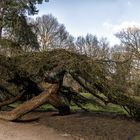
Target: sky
99, 17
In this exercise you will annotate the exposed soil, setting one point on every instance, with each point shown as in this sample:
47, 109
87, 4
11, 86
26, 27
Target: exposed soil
94, 126
78, 126
29, 131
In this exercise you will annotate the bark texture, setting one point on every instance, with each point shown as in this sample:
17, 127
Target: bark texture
30, 105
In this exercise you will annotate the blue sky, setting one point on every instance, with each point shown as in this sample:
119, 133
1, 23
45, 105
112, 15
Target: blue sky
98, 17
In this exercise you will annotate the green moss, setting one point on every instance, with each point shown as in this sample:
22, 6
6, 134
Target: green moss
136, 138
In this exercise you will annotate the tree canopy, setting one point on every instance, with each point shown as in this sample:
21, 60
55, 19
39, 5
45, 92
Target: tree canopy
26, 73
13, 22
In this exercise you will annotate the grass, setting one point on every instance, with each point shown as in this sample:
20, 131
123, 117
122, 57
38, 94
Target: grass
111, 108
46, 107
136, 138
108, 108
91, 107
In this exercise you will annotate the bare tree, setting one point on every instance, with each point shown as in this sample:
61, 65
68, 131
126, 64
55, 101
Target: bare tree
130, 41
130, 37
92, 47
51, 34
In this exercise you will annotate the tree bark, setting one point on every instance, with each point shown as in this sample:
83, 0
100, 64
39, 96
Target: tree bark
57, 102
30, 105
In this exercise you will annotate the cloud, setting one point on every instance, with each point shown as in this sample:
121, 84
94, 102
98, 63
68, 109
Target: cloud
118, 27
110, 29
108, 25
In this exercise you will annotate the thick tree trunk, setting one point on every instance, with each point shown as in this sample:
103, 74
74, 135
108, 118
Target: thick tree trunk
57, 102
55, 99
30, 105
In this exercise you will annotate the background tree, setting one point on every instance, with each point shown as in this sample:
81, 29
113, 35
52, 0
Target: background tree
91, 46
13, 22
130, 41
130, 38
52, 34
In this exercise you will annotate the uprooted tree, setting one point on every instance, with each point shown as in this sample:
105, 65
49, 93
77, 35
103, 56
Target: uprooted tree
40, 75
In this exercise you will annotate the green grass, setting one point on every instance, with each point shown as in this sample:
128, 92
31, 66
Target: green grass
93, 108
108, 108
47, 107
136, 138
90, 107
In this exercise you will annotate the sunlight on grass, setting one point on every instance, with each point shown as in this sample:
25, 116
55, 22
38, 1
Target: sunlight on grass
136, 138
90, 107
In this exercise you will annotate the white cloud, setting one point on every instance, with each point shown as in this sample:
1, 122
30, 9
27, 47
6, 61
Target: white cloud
118, 27
125, 25
110, 29
107, 25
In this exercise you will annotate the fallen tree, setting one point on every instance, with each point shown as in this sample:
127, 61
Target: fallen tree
32, 73
29, 105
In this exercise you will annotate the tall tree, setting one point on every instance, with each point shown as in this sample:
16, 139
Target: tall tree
91, 46
13, 22
130, 37
130, 41
51, 34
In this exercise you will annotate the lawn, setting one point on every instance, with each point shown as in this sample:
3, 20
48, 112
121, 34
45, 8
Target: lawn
111, 108
90, 107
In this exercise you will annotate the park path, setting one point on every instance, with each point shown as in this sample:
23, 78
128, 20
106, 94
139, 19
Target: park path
29, 131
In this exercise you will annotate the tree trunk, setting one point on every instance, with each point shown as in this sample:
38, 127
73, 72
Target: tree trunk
57, 102
30, 105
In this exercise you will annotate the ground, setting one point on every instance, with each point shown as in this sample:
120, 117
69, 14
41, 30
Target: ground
29, 131
94, 126
77, 126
